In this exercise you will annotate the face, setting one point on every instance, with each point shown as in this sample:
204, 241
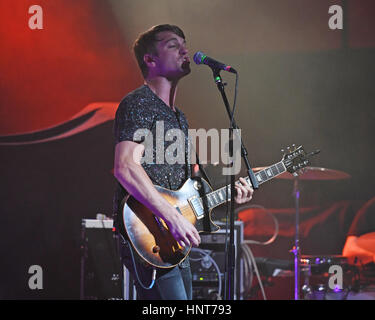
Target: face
172, 60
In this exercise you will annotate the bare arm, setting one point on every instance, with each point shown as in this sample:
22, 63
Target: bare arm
129, 172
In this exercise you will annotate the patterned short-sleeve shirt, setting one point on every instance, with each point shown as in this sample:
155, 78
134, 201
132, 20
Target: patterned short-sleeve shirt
143, 110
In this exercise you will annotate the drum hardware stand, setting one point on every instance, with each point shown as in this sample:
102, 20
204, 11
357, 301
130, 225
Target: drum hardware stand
296, 249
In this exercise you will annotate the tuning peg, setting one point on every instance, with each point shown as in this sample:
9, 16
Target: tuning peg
282, 151
293, 146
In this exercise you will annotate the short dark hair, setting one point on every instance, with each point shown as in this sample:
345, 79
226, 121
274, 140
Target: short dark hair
146, 43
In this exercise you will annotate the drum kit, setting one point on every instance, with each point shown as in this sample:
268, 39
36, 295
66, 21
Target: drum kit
316, 270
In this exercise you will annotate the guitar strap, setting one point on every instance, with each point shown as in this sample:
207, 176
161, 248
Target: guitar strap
204, 173
188, 168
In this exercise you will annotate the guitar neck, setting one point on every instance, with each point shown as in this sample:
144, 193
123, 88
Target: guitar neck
222, 195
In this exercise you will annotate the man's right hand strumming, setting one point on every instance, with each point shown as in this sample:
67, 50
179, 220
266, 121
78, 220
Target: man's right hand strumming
182, 230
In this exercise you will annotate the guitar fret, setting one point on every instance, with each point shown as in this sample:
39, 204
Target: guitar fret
215, 199
274, 170
258, 177
229, 192
269, 173
280, 167
263, 175
209, 199
222, 195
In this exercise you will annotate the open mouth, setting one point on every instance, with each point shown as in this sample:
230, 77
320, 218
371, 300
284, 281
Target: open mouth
186, 60
185, 63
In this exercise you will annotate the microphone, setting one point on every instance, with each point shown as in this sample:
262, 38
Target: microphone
200, 58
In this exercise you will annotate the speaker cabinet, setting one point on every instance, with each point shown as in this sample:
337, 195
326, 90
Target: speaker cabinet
101, 269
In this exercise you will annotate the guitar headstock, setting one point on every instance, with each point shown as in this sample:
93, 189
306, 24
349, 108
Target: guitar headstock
295, 159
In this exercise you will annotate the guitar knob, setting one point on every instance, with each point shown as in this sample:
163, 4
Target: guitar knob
156, 249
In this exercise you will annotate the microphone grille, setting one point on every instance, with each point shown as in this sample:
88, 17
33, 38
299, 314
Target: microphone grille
199, 57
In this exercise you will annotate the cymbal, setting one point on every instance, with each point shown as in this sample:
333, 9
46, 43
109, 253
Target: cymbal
312, 173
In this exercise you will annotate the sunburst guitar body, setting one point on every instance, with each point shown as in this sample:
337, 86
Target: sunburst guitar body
149, 235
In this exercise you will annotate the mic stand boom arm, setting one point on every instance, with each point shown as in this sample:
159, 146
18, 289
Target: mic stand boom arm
229, 285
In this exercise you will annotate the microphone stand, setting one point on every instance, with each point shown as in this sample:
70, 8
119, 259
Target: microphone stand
229, 292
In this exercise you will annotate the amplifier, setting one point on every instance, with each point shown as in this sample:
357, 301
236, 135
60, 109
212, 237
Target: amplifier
208, 264
101, 269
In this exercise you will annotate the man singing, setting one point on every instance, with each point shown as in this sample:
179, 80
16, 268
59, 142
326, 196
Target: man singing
163, 58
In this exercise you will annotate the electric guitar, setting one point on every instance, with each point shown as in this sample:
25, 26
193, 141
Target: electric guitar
149, 234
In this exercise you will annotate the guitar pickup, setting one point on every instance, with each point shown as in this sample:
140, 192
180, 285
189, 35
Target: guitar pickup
197, 206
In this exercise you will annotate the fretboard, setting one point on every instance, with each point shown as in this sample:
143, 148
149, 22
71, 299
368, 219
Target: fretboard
222, 195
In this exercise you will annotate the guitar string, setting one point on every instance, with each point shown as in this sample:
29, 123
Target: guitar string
214, 194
